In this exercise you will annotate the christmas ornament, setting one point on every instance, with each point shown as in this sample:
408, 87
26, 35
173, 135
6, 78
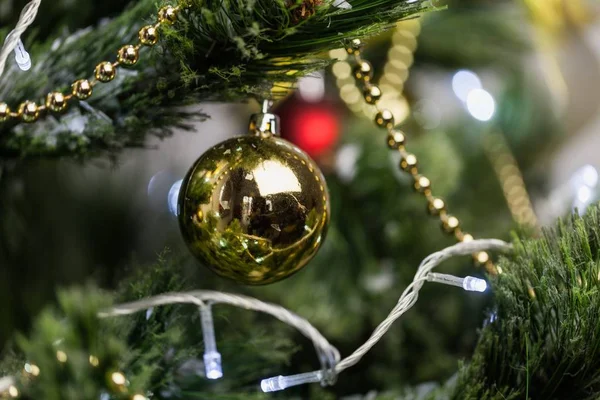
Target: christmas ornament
255, 208
312, 126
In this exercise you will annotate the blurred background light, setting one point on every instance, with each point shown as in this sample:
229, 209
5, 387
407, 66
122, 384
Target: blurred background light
463, 82
311, 88
481, 104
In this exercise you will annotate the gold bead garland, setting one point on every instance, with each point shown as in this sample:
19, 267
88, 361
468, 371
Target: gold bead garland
389, 91
104, 72
82, 89
129, 55
384, 118
56, 102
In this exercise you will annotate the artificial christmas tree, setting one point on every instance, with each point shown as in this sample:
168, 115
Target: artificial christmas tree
66, 222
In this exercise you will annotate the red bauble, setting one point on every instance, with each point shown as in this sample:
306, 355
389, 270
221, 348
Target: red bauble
314, 127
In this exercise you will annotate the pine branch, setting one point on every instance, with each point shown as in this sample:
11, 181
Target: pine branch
217, 51
542, 341
62, 349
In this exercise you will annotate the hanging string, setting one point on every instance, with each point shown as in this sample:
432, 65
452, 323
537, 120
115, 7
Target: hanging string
327, 353
13, 39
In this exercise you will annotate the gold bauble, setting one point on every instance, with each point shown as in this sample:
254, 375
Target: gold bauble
254, 209
395, 140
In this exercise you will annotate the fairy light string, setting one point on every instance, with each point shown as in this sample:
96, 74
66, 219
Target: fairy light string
106, 71
328, 355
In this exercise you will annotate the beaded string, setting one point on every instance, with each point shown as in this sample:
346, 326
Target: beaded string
106, 71
395, 73
363, 73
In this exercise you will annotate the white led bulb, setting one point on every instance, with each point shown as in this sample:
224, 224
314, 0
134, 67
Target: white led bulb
22, 57
212, 358
278, 383
469, 283
473, 284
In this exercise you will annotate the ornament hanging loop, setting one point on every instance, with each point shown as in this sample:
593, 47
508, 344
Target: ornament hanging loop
264, 124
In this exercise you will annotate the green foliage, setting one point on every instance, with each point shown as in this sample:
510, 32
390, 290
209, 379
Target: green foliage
543, 340
217, 51
159, 351
379, 231
61, 348
492, 34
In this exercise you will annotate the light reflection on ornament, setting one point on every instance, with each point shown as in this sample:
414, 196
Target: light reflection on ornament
173, 197
463, 82
481, 104
272, 177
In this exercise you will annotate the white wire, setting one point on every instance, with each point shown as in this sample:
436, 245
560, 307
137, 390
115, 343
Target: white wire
411, 293
324, 349
12, 39
328, 354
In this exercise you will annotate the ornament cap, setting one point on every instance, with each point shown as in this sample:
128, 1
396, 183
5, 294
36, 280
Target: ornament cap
264, 124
